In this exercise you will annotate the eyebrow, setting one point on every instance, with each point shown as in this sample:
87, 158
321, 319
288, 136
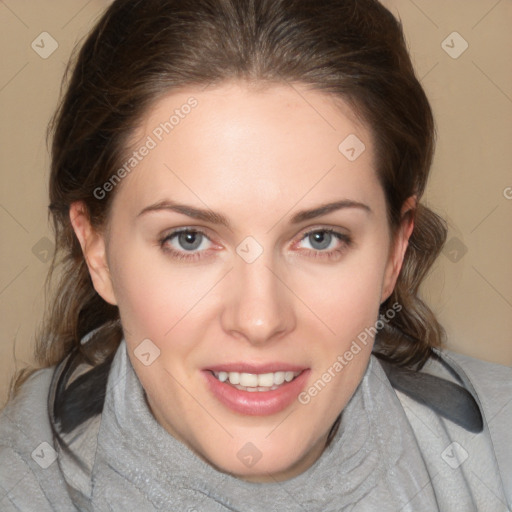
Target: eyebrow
212, 217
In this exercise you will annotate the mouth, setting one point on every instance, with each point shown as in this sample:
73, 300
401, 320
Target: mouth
256, 391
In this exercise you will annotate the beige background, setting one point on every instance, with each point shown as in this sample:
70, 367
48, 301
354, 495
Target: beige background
471, 186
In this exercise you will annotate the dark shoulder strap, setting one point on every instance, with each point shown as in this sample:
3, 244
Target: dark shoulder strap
77, 392
448, 399
76, 385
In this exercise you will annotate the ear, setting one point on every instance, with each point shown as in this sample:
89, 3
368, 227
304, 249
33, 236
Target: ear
398, 247
94, 250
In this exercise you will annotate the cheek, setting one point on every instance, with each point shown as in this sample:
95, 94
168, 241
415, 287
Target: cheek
154, 294
347, 296
349, 313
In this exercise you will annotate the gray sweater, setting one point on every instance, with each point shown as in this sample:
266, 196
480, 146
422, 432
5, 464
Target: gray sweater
406, 442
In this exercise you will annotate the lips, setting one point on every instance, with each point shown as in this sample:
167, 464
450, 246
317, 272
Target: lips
256, 390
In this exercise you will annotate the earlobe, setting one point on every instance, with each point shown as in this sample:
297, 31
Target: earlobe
399, 247
94, 251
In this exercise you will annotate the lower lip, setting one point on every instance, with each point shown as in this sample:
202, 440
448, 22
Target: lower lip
257, 403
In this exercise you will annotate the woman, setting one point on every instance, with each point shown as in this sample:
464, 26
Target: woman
235, 192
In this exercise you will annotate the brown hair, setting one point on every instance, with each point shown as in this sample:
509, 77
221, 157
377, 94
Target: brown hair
142, 49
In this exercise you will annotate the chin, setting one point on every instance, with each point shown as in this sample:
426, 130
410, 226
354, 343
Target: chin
268, 458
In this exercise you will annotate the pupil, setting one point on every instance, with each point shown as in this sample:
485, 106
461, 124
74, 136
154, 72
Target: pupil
189, 240
322, 240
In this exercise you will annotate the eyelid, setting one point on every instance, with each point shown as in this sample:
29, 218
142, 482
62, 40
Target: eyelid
337, 230
184, 229
168, 236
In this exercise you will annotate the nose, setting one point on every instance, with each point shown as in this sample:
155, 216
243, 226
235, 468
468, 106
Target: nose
258, 306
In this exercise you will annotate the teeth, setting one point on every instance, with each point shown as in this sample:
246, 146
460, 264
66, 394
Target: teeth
288, 376
248, 380
279, 378
265, 380
253, 381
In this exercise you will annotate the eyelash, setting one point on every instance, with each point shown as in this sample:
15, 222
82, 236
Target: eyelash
346, 241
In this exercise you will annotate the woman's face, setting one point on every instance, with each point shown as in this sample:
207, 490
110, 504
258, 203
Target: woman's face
282, 262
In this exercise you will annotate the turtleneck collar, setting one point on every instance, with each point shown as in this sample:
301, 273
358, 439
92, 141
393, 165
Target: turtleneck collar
373, 457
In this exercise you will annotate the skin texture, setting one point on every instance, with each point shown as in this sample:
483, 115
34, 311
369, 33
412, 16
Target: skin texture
257, 156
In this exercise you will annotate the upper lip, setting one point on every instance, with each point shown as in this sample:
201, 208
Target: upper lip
256, 367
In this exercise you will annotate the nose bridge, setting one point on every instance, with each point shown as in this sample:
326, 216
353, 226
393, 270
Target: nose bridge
259, 307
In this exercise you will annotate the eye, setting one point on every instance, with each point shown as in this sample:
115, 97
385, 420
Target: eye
320, 240
325, 242
180, 242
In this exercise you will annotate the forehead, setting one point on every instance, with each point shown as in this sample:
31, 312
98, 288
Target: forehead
266, 145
